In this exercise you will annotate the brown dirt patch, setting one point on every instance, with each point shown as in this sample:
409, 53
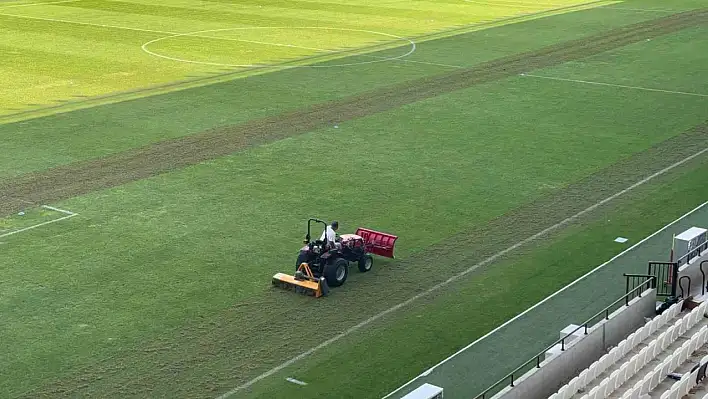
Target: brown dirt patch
80, 178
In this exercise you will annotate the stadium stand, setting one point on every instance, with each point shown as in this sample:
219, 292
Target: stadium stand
645, 349
642, 363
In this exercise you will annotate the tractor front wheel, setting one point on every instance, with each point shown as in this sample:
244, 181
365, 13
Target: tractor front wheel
336, 272
301, 258
366, 263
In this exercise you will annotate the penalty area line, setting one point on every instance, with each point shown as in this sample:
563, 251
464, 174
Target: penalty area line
294, 381
59, 210
39, 225
589, 82
611, 7
458, 276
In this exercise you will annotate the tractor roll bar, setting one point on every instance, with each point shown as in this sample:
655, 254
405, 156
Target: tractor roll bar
309, 222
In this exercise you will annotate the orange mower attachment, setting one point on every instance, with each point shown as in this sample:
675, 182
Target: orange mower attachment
303, 282
321, 265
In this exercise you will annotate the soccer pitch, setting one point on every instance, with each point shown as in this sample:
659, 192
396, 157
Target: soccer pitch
72, 51
165, 158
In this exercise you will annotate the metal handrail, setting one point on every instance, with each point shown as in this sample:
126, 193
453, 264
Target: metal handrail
703, 282
650, 283
628, 291
693, 253
647, 276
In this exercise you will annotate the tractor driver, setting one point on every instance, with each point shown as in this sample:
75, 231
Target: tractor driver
330, 235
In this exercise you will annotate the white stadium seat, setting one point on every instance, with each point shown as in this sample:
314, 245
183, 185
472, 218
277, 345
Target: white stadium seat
613, 382
646, 385
572, 387
626, 362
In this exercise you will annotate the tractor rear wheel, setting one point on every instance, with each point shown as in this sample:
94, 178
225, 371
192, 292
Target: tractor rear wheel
366, 263
336, 272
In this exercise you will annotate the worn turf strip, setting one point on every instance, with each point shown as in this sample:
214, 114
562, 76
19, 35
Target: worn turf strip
422, 337
84, 177
222, 352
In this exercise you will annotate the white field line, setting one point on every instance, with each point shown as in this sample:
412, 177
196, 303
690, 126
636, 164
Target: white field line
294, 381
196, 34
58, 210
610, 7
160, 31
426, 63
607, 7
269, 43
460, 275
514, 5
199, 34
576, 80
427, 372
37, 4
615, 85
177, 34
88, 24
39, 225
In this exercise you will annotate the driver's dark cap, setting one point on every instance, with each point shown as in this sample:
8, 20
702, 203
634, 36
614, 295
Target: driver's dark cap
335, 224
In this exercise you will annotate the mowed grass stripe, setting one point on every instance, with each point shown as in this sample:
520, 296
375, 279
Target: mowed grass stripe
80, 178
66, 27
422, 9
266, 340
196, 14
247, 9
170, 13
66, 32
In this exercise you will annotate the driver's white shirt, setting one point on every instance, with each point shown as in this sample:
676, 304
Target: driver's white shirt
331, 235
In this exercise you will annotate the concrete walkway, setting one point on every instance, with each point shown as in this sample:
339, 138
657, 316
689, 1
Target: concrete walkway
473, 370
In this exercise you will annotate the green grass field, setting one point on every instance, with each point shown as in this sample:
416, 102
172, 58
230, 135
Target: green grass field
194, 138
56, 52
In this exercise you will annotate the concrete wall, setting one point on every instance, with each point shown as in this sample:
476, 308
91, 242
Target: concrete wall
540, 383
693, 271
625, 320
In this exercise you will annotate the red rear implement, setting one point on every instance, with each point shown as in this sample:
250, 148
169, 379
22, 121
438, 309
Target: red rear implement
378, 243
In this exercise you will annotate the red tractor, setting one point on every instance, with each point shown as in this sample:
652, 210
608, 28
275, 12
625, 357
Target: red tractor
320, 266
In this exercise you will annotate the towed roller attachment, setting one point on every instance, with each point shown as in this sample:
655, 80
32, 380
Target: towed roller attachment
378, 243
303, 282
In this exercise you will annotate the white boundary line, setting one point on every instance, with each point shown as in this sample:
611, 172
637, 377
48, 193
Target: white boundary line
410, 42
427, 372
59, 210
614, 85
643, 9
380, 59
196, 34
88, 24
457, 277
37, 4
39, 225
514, 4
430, 63
294, 381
